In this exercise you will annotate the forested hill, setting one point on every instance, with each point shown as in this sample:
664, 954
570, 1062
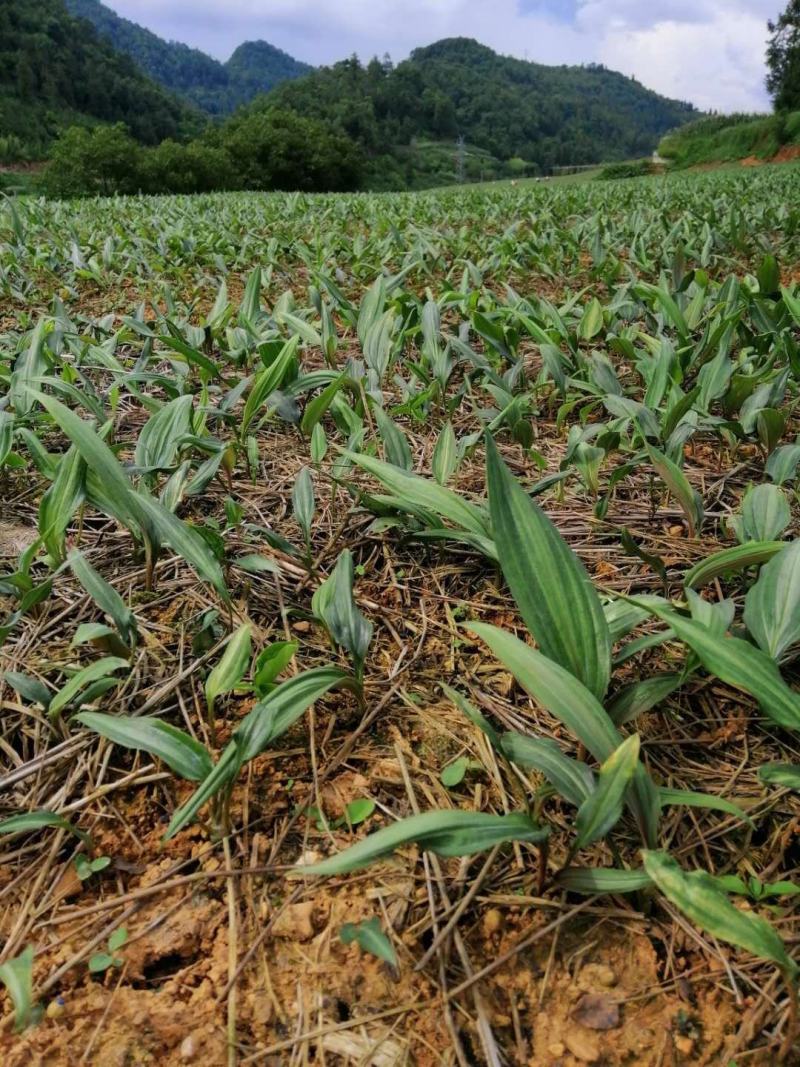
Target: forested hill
509, 107
55, 69
218, 88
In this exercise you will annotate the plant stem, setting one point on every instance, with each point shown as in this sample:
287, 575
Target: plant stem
232, 954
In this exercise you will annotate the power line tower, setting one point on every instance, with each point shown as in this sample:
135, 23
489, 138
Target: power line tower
460, 160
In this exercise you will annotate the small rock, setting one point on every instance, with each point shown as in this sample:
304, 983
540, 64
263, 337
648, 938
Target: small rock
584, 1047
295, 922
594, 975
188, 1048
492, 922
301, 627
597, 1012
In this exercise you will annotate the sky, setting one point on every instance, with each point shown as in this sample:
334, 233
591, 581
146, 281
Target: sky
710, 52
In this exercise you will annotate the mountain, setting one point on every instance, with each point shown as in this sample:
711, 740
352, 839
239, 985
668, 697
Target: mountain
508, 107
217, 88
56, 70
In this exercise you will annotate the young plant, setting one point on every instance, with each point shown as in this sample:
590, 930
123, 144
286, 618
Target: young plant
334, 605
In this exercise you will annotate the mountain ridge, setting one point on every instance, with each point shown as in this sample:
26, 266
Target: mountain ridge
215, 87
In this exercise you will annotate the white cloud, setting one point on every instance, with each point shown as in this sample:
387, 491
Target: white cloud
708, 51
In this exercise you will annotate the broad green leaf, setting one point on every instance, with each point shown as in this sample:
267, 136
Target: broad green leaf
265, 723
39, 820
31, 689
232, 666
589, 880
395, 443
772, 605
17, 976
335, 605
185, 541
105, 596
256, 564
573, 779
696, 895
316, 408
688, 799
782, 463
177, 749
447, 833
6, 435
740, 664
303, 502
677, 483
420, 493
61, 500
765, 514
162, 434
572, 704
266, 382
730, 560
369, 936
638, 697
551, 588
91, 631
782, 774
454, 773
592, 320
101, 668
270, 662
358, 811
603, 807
445, 455
99, 457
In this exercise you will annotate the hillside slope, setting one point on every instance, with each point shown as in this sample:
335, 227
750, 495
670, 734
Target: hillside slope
508, 107
727, 138
56, 70
218, 88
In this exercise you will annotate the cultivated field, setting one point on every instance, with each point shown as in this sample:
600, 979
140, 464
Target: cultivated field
400, 615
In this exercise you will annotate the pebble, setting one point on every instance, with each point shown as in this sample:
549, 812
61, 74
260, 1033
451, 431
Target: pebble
188, 1048
582, 1046
492, 922
295, 922
596, 974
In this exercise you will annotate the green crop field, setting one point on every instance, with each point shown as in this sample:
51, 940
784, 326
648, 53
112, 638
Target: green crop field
400, 610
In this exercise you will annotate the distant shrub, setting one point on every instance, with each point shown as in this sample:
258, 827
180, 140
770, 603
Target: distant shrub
192, 168
637, 168
283, 150
102, 160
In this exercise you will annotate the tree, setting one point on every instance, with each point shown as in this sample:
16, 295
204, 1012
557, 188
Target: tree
783, 59
103, 160
283, 150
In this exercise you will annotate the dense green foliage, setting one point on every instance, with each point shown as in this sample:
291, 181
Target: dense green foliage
636, 168
508, 107
725, 138
218, 88
54, 69
228, 419
783, 58
257, 149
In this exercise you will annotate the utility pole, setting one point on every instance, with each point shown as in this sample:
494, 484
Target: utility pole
460, 160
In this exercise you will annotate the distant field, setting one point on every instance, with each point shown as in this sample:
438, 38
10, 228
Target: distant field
399, 614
